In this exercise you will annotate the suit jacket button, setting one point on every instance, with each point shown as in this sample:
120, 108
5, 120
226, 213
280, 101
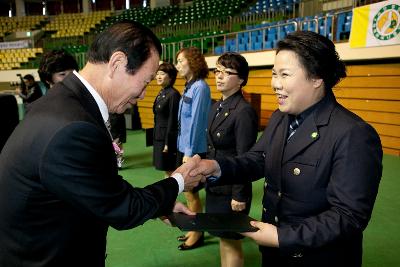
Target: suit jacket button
279, 194
218, 134
296, 171
276, 219
297, 255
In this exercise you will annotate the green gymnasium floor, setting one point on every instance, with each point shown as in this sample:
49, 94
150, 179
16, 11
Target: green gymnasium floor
154, 244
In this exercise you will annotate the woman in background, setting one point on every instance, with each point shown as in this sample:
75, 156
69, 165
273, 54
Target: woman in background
192, 125
165, 110
232, 131
55, 66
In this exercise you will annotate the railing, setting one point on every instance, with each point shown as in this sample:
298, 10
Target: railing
325, 25
194, 26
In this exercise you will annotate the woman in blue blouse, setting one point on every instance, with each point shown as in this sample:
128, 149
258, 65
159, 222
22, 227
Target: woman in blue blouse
192, 124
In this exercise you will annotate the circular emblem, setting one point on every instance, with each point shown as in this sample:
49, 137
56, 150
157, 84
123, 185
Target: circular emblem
314, 135
385, 25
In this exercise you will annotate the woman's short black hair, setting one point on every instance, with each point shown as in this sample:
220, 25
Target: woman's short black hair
317, 54
237, 62
29, 77
169, 69
130, 37
53, 62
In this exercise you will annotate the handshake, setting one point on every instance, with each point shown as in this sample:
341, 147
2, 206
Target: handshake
196, 170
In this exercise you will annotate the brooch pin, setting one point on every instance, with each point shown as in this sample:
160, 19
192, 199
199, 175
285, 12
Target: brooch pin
314, 135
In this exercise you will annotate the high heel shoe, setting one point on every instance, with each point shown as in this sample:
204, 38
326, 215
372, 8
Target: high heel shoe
196, 244
182, 238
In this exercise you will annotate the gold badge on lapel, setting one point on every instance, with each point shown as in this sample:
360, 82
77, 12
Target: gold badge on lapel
296, 171
314, 135
226, 114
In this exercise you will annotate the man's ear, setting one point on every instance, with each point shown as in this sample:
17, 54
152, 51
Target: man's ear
117, 60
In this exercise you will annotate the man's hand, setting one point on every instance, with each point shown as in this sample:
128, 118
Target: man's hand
267, 235
184, 169
178, 207
237, 206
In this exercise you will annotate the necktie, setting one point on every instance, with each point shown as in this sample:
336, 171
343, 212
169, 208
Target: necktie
108, 125
293, 127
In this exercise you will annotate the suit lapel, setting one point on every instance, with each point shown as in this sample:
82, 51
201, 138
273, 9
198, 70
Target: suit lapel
308, 132
211, 117
161, 95
305, 135
277, 146
227, 109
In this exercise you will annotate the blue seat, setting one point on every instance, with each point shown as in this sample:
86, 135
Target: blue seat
271, 36
244, 40
268, 45
218, 50
256, 45
340, 25
242, 47
347, 26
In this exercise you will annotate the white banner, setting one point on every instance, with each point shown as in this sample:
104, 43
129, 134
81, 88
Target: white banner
15, 44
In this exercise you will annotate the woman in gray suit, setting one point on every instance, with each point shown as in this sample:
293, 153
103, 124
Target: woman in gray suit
232, 130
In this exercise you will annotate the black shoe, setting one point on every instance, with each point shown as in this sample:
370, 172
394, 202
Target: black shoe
197, 244
182, 238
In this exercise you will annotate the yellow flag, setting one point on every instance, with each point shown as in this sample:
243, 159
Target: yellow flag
376, 25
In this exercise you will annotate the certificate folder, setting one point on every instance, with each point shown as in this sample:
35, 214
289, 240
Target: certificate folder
222, 222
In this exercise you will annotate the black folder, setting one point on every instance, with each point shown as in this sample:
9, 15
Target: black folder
221, 222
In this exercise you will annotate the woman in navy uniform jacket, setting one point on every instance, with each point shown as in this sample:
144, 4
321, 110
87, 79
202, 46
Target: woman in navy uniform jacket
320, 182
165, 110
232, 130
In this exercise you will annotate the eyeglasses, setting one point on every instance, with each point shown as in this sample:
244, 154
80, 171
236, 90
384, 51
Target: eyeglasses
224, 72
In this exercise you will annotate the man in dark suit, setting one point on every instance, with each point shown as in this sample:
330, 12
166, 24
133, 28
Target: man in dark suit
322, 164
59, 183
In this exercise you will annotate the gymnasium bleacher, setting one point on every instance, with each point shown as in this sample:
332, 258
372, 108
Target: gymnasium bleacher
248, 27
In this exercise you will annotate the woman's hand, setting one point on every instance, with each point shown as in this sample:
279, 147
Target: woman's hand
267, 235
185, 159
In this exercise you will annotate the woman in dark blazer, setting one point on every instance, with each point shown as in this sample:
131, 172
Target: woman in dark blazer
322, 163
232, 130
165, 110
